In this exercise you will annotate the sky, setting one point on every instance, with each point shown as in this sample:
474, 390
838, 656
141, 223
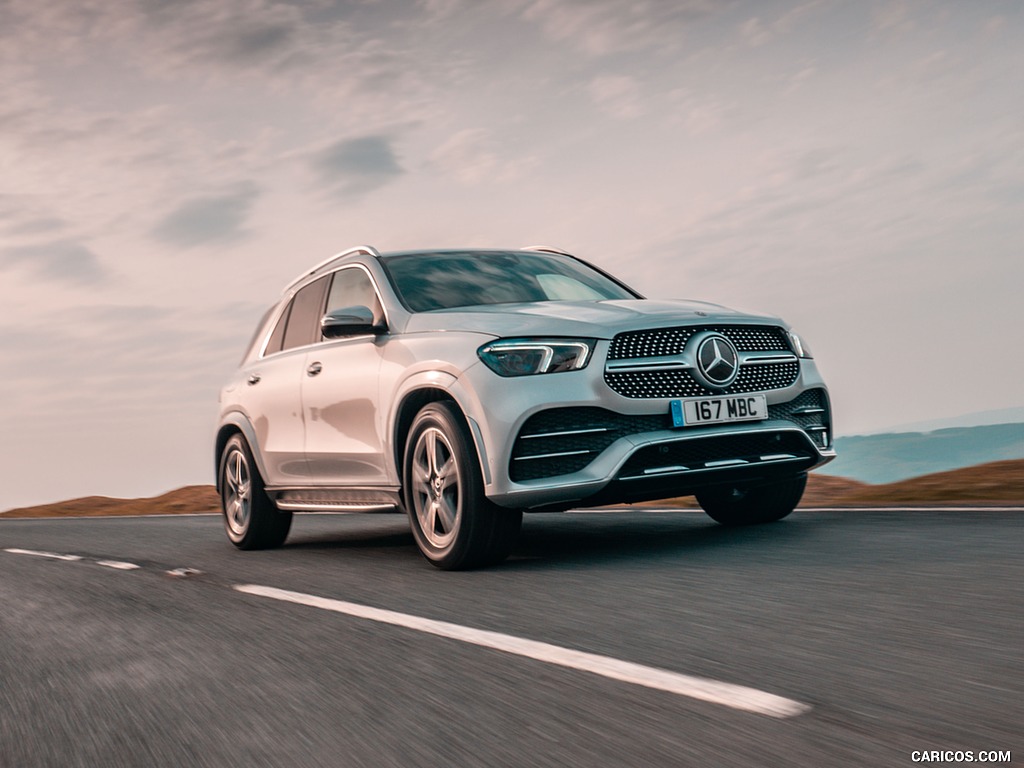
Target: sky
166, 166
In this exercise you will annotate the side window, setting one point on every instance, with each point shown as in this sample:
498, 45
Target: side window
277, 337
304, 319
352, 287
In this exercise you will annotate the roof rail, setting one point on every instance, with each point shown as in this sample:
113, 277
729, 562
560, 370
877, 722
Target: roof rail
369, 250
546, 249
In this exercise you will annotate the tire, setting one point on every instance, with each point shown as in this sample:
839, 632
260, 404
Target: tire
753, 504
251, 518
455, 526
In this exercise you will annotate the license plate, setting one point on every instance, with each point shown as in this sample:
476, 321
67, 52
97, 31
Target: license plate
717, 410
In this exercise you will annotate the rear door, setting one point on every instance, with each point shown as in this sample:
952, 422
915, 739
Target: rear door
274, 388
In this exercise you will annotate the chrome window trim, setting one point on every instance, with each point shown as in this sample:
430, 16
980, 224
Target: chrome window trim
369, 250
286, 301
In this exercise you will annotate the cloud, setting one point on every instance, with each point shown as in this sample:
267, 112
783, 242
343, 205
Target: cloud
21, 215
37, 226
209, 219
239, 34
352, 167
754, 32
601, 27
617, 95
64, 260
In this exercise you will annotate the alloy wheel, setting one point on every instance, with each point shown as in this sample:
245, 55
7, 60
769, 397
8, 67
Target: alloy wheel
237, 492
436, 492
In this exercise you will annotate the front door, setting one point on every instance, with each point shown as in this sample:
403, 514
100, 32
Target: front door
341, 394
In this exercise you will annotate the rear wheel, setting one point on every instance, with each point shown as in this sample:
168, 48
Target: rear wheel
753, 504
251, 519
454, 524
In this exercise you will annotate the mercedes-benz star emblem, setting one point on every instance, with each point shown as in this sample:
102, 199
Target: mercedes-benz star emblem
717, 361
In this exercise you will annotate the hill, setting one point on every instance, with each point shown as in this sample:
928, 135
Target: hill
191, 499
995, 484
892, 457
998, 483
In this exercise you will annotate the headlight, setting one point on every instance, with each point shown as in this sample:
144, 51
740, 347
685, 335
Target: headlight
799, 345
524, 357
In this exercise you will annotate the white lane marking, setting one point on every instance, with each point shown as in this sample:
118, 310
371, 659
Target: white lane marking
34, 553
118, 565
726, 694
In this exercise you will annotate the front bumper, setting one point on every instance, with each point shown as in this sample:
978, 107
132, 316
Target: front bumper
642, 457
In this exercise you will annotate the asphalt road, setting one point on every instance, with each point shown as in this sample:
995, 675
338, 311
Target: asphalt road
895, 632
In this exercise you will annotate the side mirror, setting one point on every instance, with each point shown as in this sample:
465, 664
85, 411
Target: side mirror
349, 321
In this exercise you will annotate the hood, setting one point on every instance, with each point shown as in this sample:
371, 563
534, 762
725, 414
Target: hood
590, 319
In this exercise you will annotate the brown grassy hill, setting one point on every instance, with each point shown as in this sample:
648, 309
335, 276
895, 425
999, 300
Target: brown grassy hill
188, 500
1000, 483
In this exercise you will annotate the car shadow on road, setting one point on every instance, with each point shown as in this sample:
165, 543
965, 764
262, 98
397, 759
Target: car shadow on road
553, 540
365, 532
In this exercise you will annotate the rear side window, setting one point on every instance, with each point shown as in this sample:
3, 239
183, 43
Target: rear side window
304, 318
276, 342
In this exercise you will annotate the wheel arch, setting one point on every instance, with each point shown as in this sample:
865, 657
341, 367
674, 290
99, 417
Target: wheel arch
235, 424
411, 403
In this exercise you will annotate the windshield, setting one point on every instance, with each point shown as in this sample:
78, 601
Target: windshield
426, 281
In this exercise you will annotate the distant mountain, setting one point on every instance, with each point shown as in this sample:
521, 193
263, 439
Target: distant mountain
977, 419
888, 458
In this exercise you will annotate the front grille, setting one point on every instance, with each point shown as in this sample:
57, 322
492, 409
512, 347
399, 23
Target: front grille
661, 342
697, 454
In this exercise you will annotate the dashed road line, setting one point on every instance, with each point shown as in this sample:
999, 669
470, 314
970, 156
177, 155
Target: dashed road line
182, 573
118, 565
704, 689
50, 555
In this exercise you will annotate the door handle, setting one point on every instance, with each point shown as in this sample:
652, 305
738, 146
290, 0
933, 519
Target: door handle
314, 369
254, 379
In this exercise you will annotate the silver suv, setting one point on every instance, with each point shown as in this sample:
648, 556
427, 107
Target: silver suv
468, 386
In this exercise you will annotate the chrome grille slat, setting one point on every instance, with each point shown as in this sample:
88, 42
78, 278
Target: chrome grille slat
592, 431
558, 455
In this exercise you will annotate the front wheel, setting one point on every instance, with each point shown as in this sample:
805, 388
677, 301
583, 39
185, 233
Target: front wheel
251, 519
454, 524
753, 504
